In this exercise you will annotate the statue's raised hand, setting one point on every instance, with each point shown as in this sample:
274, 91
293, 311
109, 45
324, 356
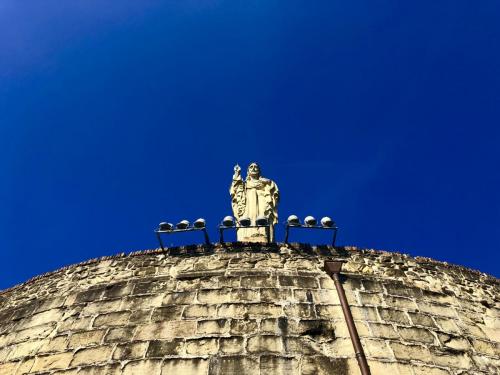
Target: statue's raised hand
237, 172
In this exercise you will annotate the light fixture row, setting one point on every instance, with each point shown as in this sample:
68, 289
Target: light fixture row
230, 222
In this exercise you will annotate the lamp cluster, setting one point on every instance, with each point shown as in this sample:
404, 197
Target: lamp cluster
230, 222
182, 226
310, 222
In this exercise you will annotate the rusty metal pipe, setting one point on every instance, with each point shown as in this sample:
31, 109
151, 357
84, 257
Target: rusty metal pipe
333, 268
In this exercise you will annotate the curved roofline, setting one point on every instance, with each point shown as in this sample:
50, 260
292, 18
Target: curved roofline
189, 250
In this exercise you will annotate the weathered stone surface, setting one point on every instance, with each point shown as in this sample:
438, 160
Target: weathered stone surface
191, 366
251, 309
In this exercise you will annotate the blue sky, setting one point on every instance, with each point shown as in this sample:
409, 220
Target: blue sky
116, 115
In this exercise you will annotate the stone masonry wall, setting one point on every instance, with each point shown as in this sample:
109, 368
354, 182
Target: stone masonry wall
251, 309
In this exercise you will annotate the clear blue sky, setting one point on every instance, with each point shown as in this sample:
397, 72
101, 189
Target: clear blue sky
116, 115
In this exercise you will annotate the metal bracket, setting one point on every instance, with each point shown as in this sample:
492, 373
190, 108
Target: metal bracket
222, 228
160, 232
334, 229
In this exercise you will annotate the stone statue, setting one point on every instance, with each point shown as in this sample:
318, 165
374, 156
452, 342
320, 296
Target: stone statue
253, 198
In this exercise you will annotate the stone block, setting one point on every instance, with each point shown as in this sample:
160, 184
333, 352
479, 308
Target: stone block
385, 331
200, 311
244, 295
232, 310
364, 313
298, 282
133, 350
141, 302
191, 366
148, 366
90, 295
243, 327
166, 330
425, 370
25, 349
370, 299
271, 326
419, 319
50, 303
303, 295
187, 285
74, 324
453, 342
229, 281
42, 318
259, 282
444, 359
486, 347
439, 310
402, 303
101, 307
8, 368
86, 338
416, 334
202, 347
410, 352
154, 286
326, 283
265, 344
167, 313
120, 334
161, 349
232, 345
300, 310
38, 332
321, 365
447, 325
302, 345
372, 286
399, 289
396, 316
236, 365
179, 298
377, 349
259, 310
329, 312
25, 365
278, 365
93, 355
491, 333
112, 369
213, 327
4, 352
389, 368
52, 362
273, 295
140, 317
213, 296
117, 290
112, 319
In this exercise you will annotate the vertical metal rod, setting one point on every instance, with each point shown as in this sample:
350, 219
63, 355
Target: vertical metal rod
333, 270
334, 237
207, 240
221, 235
268, 233
286, 233
160, 241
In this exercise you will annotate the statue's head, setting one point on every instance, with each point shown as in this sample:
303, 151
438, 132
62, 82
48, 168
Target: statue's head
253, 170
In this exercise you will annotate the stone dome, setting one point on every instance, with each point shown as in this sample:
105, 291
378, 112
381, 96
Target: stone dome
251, 309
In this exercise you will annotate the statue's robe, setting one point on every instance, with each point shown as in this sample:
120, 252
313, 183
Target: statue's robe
254, 198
